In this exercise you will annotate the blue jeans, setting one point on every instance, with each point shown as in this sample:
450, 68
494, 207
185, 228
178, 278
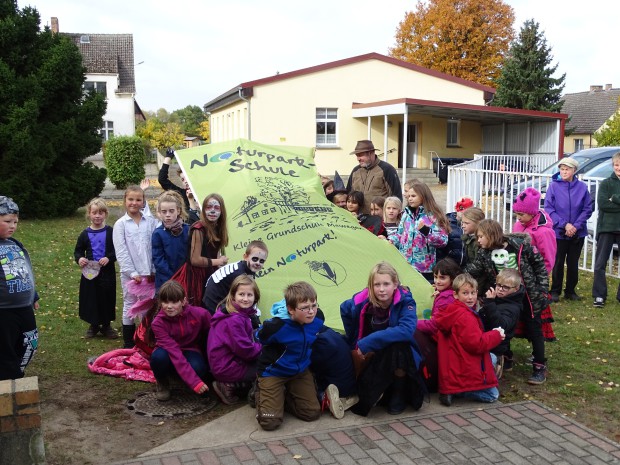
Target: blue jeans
162, 365
483, 395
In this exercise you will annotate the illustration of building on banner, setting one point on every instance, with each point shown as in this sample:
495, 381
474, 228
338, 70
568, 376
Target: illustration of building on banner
281, 203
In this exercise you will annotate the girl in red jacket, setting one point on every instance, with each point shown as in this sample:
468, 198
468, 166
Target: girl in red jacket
180, 333
465, 364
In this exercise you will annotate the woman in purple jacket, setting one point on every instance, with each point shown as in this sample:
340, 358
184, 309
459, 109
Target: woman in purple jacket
180, 331
569, 204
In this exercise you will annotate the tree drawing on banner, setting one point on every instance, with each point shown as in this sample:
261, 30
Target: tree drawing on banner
462, 38
284, 194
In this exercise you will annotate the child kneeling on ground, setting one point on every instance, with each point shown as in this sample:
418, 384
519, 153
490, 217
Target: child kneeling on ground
284, 377
465, 364
180, 332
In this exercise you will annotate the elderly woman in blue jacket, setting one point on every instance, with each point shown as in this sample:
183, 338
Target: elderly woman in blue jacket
569, 205
379, 323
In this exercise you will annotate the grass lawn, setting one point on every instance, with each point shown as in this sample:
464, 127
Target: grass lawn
584, 365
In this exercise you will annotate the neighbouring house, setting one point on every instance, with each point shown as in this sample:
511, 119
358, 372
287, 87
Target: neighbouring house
411, 113
109, 63
192, 141
587, 113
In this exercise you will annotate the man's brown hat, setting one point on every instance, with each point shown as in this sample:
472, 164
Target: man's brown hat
363, 146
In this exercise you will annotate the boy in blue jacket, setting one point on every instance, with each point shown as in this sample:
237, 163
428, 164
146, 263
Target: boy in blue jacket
283, 366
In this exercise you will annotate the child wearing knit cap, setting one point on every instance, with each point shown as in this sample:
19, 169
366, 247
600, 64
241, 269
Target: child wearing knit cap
536, 222
531, 219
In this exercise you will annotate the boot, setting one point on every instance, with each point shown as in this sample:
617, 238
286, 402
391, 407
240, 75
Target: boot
163, 388
226, 392
128, 331
539, 374
397, 402
333, 401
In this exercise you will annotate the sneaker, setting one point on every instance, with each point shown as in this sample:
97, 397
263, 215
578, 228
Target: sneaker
599, 302
109, 332
333, 402
163, 390
539, 375
555, 297
508, 364
572, 296
226, 392
91, 332
445, 399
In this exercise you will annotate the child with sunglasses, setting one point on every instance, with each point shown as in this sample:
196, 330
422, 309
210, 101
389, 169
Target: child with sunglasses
218, 284
501, 307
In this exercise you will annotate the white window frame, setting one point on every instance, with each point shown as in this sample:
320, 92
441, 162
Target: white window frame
577, 144
98, 86
453, 133
329, 115
107, 131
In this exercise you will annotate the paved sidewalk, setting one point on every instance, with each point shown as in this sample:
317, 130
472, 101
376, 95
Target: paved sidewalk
522, 433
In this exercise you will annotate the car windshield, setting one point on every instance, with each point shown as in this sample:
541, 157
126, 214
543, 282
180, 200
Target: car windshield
603, 170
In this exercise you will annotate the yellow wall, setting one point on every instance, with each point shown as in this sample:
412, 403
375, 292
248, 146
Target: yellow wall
284, 112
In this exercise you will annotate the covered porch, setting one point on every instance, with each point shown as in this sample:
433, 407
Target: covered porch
421, 130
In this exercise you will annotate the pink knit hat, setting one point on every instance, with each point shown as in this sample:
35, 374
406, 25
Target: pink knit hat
527, 201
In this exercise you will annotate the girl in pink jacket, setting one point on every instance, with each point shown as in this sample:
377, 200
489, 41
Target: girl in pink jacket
444, 272
180, 332
537, 223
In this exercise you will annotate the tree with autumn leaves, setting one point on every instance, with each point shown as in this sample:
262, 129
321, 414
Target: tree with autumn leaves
464, 38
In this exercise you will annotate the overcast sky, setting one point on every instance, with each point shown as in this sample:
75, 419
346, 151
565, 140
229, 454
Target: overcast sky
191, 51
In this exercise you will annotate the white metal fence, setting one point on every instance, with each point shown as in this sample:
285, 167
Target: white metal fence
494, 181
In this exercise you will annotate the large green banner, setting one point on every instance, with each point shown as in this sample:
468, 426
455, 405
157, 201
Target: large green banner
274, 194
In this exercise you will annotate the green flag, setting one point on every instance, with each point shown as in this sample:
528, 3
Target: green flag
274, 194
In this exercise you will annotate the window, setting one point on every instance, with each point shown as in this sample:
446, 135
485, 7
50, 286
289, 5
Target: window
578, 145
84, 39
452, 136
96, 86
326, 123
107, 131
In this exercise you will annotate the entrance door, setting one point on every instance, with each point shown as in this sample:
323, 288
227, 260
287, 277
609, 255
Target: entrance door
411, 146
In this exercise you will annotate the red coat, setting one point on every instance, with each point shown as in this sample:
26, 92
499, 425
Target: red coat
463, 350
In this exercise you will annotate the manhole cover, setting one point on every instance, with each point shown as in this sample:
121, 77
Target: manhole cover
182, 404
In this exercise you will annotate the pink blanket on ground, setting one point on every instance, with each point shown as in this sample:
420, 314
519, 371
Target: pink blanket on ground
131, 364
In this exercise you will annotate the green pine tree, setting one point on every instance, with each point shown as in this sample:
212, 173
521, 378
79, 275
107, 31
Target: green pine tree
48, 126
526, 80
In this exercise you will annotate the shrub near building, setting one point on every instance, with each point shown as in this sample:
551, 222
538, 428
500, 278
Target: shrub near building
124, 159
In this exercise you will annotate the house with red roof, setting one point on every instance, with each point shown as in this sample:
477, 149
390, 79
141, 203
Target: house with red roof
411, 113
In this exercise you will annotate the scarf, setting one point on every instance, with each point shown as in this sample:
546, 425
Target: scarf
176, 228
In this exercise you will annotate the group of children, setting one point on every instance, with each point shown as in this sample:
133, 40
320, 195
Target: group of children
205, 325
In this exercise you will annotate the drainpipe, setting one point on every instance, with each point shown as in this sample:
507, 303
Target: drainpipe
249, 112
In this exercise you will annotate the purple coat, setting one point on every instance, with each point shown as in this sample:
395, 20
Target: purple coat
231, 347
182, 332
568, 202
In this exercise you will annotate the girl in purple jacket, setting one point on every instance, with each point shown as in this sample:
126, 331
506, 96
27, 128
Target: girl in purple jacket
231, 348
179, 331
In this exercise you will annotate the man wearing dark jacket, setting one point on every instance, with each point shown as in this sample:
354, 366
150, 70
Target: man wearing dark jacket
373, 177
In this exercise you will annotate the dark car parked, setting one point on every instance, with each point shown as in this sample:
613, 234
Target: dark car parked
588, 160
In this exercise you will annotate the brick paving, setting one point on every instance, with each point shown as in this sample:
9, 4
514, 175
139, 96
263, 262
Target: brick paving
524, 433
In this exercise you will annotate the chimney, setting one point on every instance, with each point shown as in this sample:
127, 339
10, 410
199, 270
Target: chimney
55, 25
607, 86
595, 88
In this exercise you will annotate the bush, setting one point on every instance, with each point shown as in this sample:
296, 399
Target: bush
124, 159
